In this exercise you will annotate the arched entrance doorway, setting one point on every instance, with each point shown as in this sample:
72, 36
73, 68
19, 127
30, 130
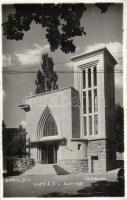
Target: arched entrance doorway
47, 128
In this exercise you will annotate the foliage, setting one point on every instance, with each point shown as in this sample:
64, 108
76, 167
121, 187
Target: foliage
61, 21
47, 78
13, 140
119, 128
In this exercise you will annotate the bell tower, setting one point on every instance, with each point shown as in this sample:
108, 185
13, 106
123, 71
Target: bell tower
94, 79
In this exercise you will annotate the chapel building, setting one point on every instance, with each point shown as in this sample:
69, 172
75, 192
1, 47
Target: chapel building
74, 127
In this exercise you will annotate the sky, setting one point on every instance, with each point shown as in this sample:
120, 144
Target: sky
101, 30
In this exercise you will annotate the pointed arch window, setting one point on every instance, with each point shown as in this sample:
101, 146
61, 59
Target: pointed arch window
50, 127
46, 125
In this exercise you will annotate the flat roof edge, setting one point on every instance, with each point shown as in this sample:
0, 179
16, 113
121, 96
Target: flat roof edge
52, 91
92, 53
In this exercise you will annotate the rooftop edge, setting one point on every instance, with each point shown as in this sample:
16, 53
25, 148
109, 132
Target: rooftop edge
49, 92
92, 53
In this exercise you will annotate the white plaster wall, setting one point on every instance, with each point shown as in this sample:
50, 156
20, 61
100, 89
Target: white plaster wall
59, 103
71, 151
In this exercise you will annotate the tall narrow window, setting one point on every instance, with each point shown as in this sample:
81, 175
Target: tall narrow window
90, 125
90, 101
95, 124
95, 101
85, 126
84, 102
50, 128
95, 76
84, 79
89, 77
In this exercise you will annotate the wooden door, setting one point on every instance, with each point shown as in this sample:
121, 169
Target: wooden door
44, 154
50, 154
95, 164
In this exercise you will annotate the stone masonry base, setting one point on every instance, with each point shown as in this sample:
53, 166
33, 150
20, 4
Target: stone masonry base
74, 166
96, 149
99, 158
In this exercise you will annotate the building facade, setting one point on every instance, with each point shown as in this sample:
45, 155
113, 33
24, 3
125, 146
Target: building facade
74, 127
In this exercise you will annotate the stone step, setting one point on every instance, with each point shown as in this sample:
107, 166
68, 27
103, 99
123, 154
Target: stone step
44, 169
40, 169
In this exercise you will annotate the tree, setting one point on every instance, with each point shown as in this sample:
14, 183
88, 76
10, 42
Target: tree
119, 128
47, 78
61, 21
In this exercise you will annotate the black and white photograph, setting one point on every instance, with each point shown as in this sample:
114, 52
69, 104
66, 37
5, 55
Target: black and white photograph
63, 99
